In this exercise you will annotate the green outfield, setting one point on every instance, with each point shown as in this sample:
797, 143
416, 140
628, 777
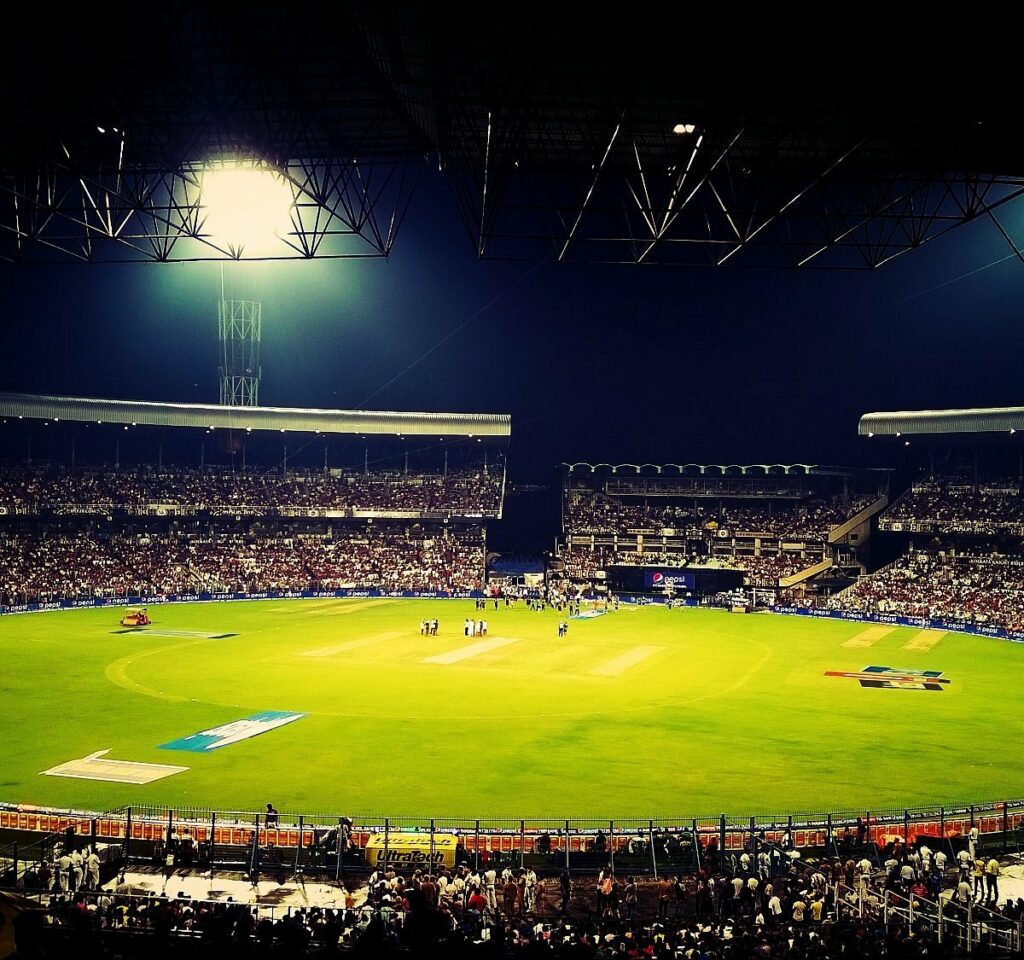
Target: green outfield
644, 712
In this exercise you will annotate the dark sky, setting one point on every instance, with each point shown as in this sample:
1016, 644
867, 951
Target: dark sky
599, 363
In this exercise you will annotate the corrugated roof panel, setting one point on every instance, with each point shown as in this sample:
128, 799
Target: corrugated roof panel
297, 419
909, 422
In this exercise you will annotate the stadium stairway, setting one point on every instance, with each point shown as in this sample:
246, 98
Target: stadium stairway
838, 534
812, 571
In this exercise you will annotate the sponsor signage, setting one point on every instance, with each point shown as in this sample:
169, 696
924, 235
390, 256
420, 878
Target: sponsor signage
952, 626
662, 579
411, 850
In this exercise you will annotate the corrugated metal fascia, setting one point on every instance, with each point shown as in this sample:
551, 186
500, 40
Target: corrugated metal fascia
979, 420
386, 422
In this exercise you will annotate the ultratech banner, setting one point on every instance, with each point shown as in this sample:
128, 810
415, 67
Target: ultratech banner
411, 850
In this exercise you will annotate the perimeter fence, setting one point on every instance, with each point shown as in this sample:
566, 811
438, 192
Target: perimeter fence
330, 846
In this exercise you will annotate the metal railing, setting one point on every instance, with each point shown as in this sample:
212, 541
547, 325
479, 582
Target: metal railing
967, 928
330, 844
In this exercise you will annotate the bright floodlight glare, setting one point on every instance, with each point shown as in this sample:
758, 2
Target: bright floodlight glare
247, 209
682, 128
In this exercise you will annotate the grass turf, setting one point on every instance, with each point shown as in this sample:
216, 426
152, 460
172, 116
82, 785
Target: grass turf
721, 712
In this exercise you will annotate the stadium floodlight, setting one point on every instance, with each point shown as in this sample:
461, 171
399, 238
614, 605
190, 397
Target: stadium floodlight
248, 208
684, 128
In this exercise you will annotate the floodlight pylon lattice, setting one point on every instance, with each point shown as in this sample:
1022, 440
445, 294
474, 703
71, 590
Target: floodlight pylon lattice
240, 329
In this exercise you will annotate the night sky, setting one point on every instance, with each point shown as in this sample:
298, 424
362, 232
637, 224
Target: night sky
598, 363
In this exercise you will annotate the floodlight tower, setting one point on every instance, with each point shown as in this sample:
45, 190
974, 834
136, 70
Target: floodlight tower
240, 324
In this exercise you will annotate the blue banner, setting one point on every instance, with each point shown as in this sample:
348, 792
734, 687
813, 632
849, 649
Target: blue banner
922, 623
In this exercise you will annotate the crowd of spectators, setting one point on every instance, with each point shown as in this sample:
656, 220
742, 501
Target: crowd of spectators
808, 520
58, 564
986, 589
591, 512
44, 565
764, 902
956, 505
27, 489
763, 570
768, 569
582, 562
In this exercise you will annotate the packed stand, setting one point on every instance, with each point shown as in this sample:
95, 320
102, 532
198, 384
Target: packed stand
30, 490
984, 589
590, 512
955, 505
809, 520
42, 566
765, 570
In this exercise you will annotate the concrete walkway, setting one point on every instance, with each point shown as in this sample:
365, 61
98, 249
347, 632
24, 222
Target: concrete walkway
269, 895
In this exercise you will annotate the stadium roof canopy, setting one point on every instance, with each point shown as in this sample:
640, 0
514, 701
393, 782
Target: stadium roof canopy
491, 426
583, 134
1006, 420
712, 469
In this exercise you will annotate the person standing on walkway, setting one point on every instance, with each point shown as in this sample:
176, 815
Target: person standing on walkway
992, 881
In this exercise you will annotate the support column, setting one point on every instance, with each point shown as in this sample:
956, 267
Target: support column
476, 848
430, 872
650, 841
127, 841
